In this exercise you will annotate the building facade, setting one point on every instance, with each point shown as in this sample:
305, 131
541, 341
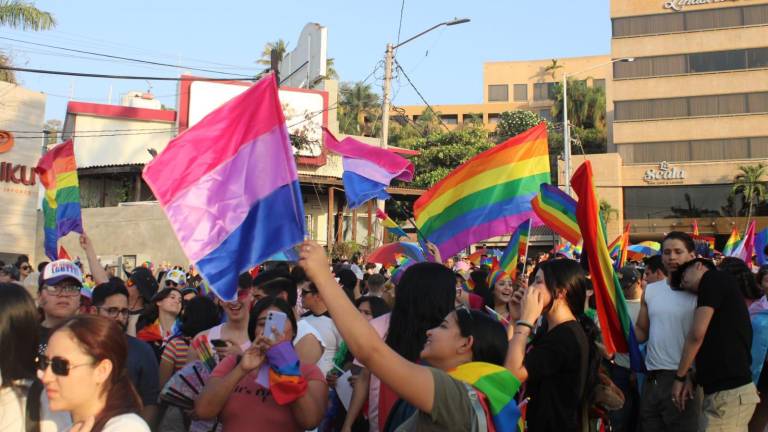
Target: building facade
516, 85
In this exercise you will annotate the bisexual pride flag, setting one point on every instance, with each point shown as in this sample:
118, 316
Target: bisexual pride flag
230, 189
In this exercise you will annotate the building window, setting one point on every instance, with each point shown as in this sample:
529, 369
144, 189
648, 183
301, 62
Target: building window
690, 21
521, 92
498, 93
696, 150
493, 118
598, 83
546, 114
718, 61
450, 119
473, 118
543, 91
660, 202
694, 106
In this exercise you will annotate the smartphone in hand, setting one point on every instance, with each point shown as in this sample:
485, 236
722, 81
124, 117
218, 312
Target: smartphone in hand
275, 319
219, 343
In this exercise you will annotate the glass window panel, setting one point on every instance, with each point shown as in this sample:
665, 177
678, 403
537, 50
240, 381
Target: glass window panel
451, 119
756, 15
521, 92
703, 105
710, 19
758, 147
598, 83
732, 104
668, 65
737, 148
707, 150
658, 202
717, 61
641, 67
493, 118
540, 91
627, 153
474, 118
758, 102
757, 58
666, 108
498, 93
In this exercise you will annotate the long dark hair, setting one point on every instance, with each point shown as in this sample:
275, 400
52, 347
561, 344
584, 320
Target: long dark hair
263, 305
103, 339
378, 306
490, 342
567, 276
479, 279
200, 314
19, 340
743, 275
425, 295
151, 311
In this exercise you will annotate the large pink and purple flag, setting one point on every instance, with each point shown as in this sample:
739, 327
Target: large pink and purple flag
230, 189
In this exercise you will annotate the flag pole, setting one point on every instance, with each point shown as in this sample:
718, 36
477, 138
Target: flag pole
527, 243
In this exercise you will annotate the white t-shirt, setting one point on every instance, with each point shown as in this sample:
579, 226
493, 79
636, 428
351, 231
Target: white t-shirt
670, 314
330, 339
13, 408
126, 423
633, 308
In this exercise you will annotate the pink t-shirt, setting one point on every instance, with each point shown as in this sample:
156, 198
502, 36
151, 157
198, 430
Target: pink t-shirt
251, 406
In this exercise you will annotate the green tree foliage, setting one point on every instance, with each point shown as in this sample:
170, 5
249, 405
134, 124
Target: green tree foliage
749, 184
515, 122
586, 115
266, 54
359, 109
23, 15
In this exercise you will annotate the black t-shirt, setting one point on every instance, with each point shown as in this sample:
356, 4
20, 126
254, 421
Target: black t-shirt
724, 359
45, 334
142, 369
557, 373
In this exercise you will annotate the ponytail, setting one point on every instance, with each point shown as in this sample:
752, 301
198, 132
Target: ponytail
32, 412
593, 358
121, 399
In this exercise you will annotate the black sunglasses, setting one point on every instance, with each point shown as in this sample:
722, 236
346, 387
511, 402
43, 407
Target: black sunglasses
60, 366
306, 293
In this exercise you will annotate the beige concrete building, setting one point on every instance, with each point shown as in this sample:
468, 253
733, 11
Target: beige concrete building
517, 85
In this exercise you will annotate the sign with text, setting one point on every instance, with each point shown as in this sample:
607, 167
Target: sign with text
679, 5
665, 174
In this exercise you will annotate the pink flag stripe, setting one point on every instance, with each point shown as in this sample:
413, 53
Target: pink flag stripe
221, 199
485, 231
192, 154
350, 147
368, 170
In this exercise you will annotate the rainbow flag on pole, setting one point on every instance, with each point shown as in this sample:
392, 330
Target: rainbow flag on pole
487, 196
517, 248
390, 225
57, 170
732, 243
558, 211
695, 227
499, 387
617, 328
230, 189
621, 258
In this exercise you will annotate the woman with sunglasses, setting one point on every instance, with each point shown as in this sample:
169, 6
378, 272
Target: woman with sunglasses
23, 405
84, 373
156, 324
561, 367
464, 341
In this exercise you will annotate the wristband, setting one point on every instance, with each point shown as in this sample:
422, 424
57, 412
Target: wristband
524, 324
681, 378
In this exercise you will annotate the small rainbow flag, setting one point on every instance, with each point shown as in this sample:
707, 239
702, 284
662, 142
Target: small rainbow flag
499, 387
390, 225
695, 227
486, 196
61, 207
761, 241
621, 259
615, 247
558, 211
732, 243
617, 328
517, 248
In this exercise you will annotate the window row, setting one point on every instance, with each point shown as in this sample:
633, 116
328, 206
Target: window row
694, 106
659, 202
679, 64
690, 21
541, 91
698, 150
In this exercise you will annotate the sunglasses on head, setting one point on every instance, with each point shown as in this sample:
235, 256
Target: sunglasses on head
26, 267
59, 366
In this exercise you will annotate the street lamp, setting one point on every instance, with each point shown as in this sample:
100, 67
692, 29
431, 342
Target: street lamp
566, 128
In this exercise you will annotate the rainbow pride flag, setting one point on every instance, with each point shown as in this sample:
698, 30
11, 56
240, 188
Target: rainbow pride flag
558, 211
617, 328
732, 243
746, 247
499, 387
517, 248
230, 189
621, 258
57, 170
695, 227
390, 225
487, 196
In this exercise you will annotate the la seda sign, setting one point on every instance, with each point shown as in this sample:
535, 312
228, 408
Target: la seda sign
665, 174
678, 5
16, 174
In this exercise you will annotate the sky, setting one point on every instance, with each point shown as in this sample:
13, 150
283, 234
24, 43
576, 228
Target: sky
446, 65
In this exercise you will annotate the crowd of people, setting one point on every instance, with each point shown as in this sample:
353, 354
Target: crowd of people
343, 345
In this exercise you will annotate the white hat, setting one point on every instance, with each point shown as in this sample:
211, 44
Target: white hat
59, 270
176, 276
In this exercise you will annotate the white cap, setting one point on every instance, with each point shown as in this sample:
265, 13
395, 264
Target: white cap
59, 270
176, 276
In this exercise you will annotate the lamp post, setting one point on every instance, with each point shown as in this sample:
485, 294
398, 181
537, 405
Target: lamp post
566, 127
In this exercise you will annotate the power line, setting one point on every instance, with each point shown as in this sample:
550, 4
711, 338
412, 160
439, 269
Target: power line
397, 64
400, 26
123, 58
126, 77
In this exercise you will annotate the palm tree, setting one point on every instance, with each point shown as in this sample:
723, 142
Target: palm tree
586, 105
553, 68
607, 210
266, 55
359, 108
748, 183
20, 14
330, 70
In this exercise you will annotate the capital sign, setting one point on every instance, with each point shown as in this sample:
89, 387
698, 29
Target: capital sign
678, 5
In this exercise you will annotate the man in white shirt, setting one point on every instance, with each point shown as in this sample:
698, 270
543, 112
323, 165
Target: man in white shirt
664, 320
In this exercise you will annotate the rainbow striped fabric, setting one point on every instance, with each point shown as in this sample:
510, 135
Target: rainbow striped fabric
621, 259
285, 380
558, 211
230, 189
732, 243
617, 328
643, 249
516, 249
390, 225
695, 227
761, 241
499, 387
486, 196
57, 170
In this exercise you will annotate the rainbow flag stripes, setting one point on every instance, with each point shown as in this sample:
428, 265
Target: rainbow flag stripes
230, 189
390, 225
499, 387
732, 243
488, 195
558, 211
57, 170
617, 328
285, 380
517, 248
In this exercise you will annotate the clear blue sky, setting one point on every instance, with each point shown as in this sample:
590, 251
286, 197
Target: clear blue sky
446, 65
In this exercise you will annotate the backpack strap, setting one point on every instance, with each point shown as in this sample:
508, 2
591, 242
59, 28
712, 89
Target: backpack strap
481, 422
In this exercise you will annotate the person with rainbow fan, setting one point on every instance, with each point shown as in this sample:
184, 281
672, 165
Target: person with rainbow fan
467, 388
